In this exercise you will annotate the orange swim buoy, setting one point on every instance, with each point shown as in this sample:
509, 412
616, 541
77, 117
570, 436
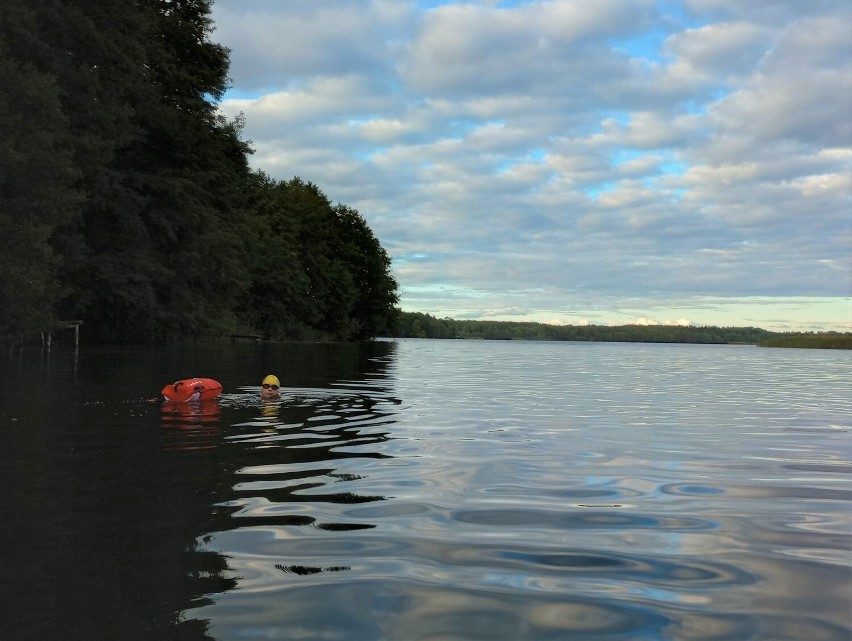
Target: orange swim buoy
192, 389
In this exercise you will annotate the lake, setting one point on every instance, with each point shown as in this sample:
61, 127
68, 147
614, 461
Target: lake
428, 490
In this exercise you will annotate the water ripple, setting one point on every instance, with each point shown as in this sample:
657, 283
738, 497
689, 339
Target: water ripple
601, 493
526, 518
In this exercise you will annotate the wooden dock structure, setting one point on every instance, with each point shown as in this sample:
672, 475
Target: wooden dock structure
46, 336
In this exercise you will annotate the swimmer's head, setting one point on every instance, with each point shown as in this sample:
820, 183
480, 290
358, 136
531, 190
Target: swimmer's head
269, 387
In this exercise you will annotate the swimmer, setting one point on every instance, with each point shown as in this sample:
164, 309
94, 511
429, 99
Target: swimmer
269, 387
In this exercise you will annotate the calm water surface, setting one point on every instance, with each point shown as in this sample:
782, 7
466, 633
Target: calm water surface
428, 490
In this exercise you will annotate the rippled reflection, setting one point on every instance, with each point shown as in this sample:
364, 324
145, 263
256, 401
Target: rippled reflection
190, 425
435, 500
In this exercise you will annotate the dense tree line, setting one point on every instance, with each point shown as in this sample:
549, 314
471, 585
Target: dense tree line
420, 325
814, 340
127, 200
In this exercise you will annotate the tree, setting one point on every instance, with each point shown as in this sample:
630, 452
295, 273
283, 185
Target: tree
127, 199
37, 178
157, 252
372, 312
318, 270
276, 300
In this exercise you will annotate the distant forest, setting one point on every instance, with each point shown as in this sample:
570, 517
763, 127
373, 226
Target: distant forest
127, 201
420, 325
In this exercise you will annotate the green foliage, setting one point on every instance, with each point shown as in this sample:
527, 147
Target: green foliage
372, 304
127, 201
318, 270
162, 222
37, 175
820, 340
419, 325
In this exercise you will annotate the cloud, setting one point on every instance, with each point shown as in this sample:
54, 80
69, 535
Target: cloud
559, 157
683, 322
465, 49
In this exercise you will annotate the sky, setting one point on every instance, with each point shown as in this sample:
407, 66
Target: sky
570, 161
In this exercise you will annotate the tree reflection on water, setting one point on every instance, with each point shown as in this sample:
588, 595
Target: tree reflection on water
109, 500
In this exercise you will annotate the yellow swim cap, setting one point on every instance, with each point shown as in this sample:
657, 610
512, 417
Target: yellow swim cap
271, 380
